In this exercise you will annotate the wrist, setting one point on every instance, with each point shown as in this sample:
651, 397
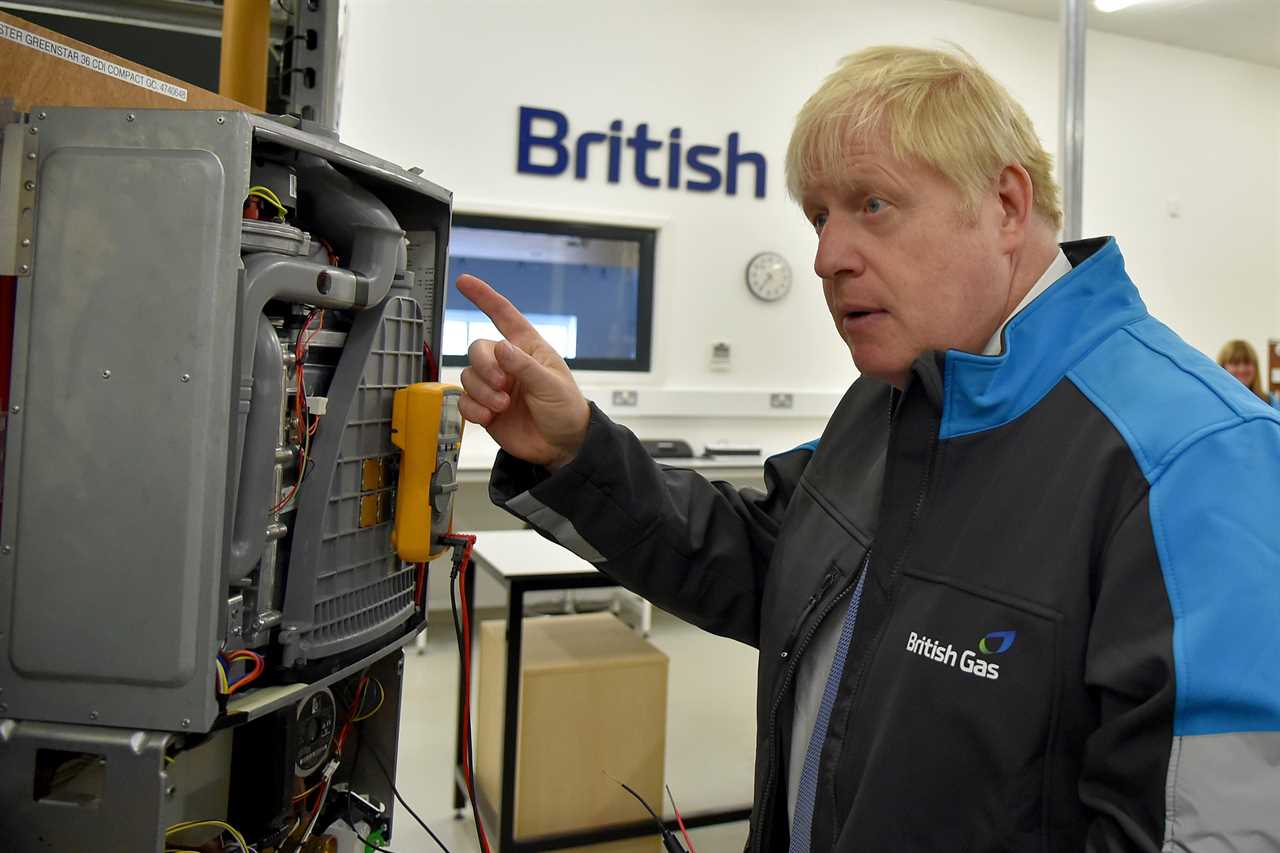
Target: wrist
569, 448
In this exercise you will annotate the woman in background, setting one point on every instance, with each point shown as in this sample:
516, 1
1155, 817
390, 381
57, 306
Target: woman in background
1241, 361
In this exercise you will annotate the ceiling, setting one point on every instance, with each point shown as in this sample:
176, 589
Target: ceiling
1240, 29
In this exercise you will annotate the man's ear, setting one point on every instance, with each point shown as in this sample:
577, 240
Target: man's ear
1017, 201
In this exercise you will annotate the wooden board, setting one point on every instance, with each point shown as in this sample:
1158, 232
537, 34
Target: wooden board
1273, 366
40, 67
593, 701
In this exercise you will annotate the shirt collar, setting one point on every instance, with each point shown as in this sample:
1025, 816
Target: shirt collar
1060, 267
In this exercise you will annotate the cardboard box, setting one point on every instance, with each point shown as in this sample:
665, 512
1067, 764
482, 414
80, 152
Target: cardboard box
39, 67
593, 700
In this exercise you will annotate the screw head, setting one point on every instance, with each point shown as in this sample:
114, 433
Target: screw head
221, 120
186, 377
170, 791
26, 241
6, 549
129, 117
43, 115
30, 185
106, 374
186, 723
31, 155
34, 130
25, 268
15, 408
93, 715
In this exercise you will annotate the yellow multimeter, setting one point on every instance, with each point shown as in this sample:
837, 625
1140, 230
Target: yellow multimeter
427, 427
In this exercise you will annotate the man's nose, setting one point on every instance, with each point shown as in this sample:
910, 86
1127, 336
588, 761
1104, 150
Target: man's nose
839, 253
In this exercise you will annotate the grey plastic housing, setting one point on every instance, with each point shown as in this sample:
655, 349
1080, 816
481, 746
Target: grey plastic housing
135, 385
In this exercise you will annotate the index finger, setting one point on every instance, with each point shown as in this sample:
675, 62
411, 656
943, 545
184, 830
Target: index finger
510, 322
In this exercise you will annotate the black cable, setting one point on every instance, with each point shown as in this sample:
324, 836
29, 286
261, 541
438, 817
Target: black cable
401, 800
466, 723
662, 827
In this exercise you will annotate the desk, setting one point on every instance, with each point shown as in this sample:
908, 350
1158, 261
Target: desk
523, 561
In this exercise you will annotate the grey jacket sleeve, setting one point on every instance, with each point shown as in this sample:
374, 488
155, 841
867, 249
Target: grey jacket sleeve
696, 549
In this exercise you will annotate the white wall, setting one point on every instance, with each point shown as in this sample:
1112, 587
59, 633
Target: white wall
437, 83
1165, 124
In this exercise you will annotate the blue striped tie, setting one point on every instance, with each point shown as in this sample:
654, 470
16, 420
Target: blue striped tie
802, 823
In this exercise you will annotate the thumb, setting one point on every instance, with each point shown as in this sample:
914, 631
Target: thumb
522, 366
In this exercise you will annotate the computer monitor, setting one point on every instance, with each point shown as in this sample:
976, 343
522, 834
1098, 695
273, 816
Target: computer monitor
586, 287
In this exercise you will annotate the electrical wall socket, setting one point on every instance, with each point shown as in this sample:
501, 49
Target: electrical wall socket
781, 401
720, 355
626, 397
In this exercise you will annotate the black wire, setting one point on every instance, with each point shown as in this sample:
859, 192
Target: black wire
396, 792
466, 723
662, 826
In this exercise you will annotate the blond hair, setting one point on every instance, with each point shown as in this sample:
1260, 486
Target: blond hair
1242, 352
938, 106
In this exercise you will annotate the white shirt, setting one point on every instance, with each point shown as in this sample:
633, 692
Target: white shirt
815, 666
1060, 267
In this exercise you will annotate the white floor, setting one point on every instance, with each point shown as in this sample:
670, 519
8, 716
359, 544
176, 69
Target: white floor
710, 735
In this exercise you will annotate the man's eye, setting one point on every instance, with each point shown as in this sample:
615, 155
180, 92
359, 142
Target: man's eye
874, 205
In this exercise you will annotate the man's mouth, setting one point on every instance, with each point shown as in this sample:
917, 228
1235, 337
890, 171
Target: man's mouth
862, 320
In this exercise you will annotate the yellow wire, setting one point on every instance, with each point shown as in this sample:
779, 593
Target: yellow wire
223, 685
266, 193
272, 199
194, 824
382, 697
309, 791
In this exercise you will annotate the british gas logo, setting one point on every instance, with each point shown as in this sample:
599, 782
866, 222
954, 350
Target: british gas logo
966, 660
1002, 640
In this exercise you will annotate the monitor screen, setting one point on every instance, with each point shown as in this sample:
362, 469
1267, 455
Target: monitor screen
586, 288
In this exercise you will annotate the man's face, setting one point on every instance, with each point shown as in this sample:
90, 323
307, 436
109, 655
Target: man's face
904, 268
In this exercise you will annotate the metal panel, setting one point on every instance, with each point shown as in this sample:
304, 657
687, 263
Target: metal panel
114, 524
94, 282
127, 814
17, 195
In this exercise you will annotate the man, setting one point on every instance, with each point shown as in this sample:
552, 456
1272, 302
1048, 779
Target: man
1024, 593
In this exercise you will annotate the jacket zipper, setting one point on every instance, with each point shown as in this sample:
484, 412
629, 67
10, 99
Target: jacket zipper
795, 654
757, 822
915, 516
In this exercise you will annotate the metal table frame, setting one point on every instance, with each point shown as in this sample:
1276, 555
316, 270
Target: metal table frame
503, 816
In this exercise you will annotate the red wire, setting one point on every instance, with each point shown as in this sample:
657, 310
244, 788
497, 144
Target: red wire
355, 709
259, 664
463, 565
683, 831
299, 398
430, 370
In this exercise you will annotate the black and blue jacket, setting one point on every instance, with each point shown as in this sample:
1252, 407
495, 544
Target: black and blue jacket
1069, 635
